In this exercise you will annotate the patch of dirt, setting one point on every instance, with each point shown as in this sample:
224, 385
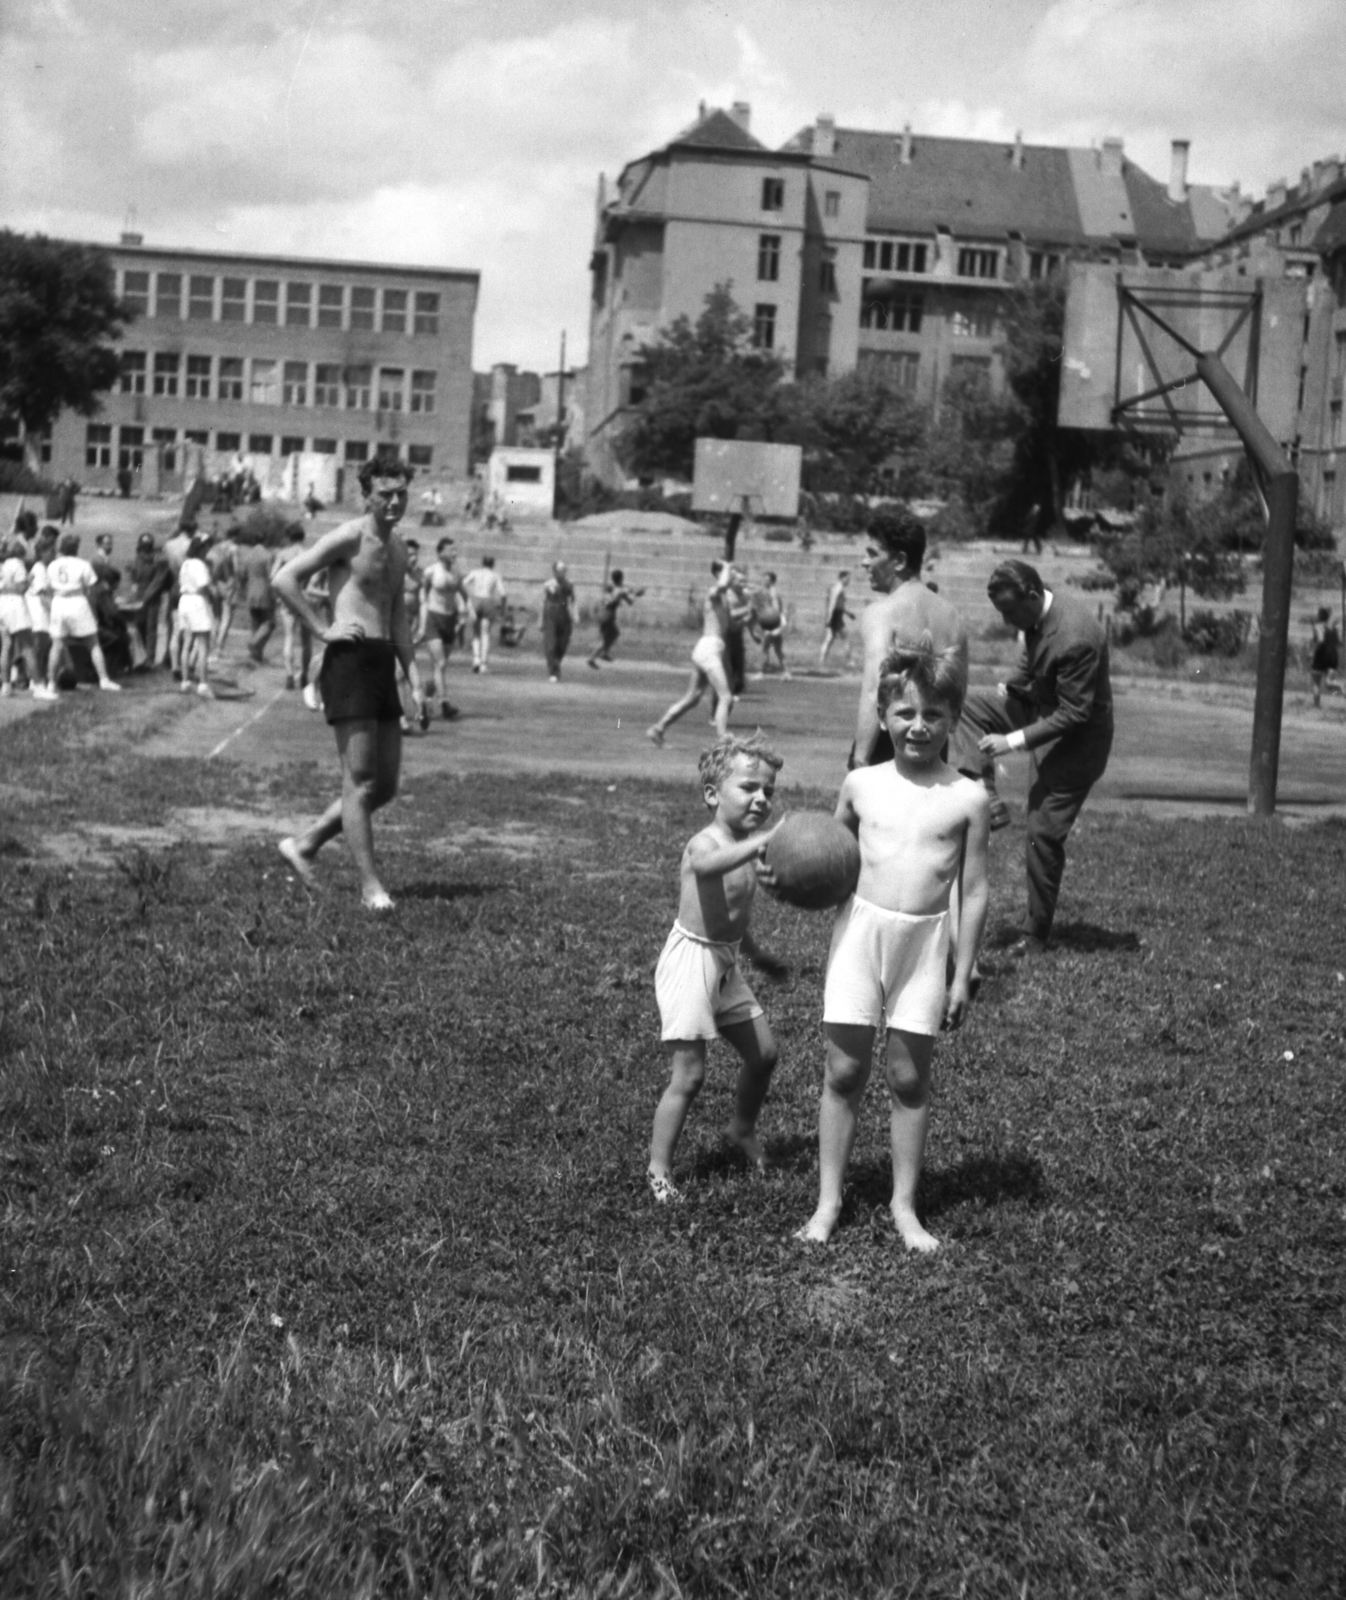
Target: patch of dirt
511, 839
100, 844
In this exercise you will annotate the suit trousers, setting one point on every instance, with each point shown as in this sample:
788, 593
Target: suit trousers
1063, 774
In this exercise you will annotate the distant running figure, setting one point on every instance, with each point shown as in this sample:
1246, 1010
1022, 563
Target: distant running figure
558, 618
708, 659
485, 598
368, 638
1326, 655
835, 626
442, 594
615, 596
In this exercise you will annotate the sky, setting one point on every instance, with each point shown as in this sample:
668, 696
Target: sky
471, 133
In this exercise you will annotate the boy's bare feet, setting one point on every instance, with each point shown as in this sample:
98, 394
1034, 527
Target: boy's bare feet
377, 900
664, 1190
912, 1234
655, 734
749, 1144
818, 1229
303, 867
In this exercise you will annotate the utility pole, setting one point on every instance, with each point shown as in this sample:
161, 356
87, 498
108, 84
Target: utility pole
560, 425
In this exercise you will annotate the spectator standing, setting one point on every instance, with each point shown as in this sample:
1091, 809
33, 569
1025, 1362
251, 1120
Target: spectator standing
196, 616
175, 553
770, 620
615, 596
150, 579
258, 596
38, 600
16, 627
73, 582
222, 559
1325, 654
486, 598
836, 613
441, 599
558, 618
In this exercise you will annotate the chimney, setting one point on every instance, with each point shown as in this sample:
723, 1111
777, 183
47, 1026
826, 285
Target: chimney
1276, 194
133, 240
1110, 158
741, 112
700, 110
825, 134
1017, 157
1326, 172
905, 156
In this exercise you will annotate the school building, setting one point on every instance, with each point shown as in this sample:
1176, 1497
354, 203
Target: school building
850, 248
276, 359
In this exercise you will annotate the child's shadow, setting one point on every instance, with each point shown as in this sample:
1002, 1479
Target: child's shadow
1088, 937
447, 891
988, 1180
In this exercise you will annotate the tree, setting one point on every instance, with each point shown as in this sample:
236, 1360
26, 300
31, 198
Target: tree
58, 313
851, 428
702, 380
969, 444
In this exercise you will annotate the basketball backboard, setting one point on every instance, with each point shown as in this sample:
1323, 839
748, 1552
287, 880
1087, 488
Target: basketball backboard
1132, 335
746, 476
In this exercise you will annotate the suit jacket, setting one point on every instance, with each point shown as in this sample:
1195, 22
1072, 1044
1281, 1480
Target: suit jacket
1061, 682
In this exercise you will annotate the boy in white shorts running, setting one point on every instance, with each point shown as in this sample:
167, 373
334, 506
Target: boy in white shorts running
698, 985
922, 828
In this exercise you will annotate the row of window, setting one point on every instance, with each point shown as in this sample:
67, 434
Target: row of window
773, 197
131, 443
904, 313
202, 297
264, 382
768, 263
906, 255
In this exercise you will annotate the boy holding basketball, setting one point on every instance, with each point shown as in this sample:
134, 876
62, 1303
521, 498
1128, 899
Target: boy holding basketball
922, 827
698, 985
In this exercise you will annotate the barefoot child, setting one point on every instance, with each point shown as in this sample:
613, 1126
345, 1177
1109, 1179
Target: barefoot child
922, 828
698, 985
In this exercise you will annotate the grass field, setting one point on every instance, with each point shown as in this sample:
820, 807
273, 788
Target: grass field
328, 1266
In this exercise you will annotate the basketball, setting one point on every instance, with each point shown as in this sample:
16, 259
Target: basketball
815, 858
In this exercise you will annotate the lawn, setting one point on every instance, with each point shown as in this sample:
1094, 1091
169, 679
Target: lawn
329, 1269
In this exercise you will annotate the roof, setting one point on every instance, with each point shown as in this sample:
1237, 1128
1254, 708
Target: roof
1164, 225
128, 252
716, 130
1332, 234
1294, 206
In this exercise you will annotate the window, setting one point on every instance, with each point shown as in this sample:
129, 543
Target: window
296, 383
1043, 263
1296, 232
136, 292
394, 311
298, 304
198, 377
362, 308
234, 300
978, 263
231, 378
357, 389
196, 436
168, 438
324, 447
227, 441
326, 385
519, 474
201, 299
773, 194
900, 368
978, 323
894, 255
131, 452
827, 274
387, 451
427, 312
166, 365
768, 257
264, 390
871, 254
1339, 355
764, 327
331, 302
266, 301
391, 383
98, 444
291, 445
168, 295
832, 203
419, 455
423, 392
899, 313
132, 380
1334, 435
356, 450
259, 444
1327, 499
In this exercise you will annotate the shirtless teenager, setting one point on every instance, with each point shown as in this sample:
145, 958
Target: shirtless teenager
906, 612
441, 593
368, 637
708, 658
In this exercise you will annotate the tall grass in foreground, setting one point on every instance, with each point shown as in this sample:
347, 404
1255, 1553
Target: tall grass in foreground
328, 1267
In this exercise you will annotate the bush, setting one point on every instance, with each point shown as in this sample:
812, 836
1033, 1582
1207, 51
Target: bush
1213, 633
16, 477
956, 522
268, 525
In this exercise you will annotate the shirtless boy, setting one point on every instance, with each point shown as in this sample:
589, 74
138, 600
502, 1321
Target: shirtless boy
441, 592
708, 657
922, 828
698, 985
368, 636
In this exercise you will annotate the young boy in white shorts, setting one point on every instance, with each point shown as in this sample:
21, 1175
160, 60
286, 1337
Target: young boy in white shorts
922, 828
698, 985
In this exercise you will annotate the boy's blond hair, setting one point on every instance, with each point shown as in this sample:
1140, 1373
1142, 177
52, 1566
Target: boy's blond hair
940, 675
713, 767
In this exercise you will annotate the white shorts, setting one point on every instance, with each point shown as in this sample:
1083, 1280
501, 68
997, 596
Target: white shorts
195, 614
14, 614
72, 617
708, 655
699, 987
39, 613
886, 964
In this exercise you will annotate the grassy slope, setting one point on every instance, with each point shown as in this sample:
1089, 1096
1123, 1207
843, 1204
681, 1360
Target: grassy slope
328, 1266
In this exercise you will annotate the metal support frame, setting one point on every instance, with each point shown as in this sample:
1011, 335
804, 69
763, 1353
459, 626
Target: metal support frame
1277, 483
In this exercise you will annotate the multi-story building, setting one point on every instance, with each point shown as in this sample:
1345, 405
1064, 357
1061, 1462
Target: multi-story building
1300, 232
850, 248
273, 357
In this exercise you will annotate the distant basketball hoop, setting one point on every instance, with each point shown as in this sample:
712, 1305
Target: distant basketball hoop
746, 477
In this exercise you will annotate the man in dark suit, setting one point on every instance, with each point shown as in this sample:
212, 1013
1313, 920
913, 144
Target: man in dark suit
1057, 704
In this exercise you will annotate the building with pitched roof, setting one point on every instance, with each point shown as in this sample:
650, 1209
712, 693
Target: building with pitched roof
853, 248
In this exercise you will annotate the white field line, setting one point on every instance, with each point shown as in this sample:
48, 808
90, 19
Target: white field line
244, 726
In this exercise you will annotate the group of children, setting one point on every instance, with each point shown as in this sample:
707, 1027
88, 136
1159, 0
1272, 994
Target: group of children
903, 948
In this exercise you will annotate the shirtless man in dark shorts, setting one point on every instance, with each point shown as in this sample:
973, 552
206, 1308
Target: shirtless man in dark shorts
441, 595
369, 635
